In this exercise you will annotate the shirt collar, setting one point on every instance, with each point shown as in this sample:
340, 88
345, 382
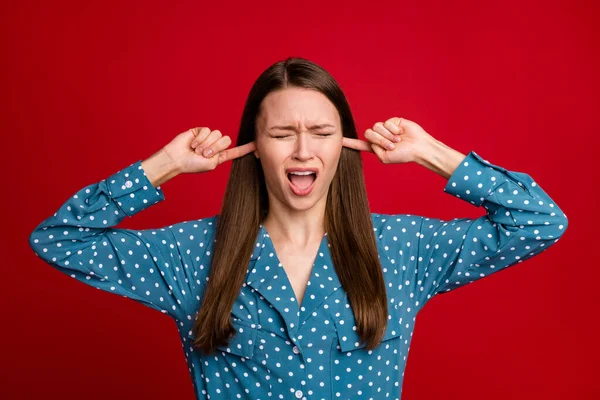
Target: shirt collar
268, 277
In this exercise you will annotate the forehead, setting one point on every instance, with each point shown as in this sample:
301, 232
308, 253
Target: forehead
298, 107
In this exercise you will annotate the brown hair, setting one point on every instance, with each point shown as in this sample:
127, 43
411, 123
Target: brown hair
245, 205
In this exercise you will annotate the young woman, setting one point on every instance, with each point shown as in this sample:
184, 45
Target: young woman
296, 290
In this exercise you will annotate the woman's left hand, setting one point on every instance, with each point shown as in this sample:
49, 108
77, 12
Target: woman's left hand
407, 137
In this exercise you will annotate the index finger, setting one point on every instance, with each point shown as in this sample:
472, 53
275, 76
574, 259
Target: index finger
236, 152
357, 144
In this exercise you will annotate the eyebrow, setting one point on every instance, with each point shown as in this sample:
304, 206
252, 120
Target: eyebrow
293, 128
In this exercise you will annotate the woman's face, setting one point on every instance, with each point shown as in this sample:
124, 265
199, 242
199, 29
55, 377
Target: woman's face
298, 128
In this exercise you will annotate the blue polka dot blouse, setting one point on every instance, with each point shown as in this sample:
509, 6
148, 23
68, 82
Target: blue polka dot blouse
280, 350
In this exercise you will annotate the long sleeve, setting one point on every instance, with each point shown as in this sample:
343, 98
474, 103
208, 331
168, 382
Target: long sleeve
521, 221
156, 267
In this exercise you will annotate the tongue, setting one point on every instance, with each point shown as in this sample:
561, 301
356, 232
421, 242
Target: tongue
302, 181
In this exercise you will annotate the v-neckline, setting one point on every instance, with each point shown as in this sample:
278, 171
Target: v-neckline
268, 277
285, 274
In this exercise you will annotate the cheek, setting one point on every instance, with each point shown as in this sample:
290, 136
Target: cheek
270, 155
330, 158
272, 165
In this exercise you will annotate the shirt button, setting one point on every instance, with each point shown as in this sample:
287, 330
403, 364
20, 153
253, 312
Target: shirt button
298, 394
128, 184
296, 350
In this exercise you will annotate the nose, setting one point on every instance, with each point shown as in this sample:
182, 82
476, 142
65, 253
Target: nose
303, 147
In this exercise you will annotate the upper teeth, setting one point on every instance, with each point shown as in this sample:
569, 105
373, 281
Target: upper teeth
301, 173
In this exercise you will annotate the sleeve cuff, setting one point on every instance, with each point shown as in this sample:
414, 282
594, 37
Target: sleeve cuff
474, 179
132, 190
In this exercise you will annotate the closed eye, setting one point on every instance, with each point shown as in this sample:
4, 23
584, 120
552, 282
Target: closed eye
320, 134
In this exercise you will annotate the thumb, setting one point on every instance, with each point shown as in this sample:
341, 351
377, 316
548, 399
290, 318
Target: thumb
379, 151
396, 120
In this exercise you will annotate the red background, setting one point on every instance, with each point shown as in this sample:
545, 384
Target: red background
91, 88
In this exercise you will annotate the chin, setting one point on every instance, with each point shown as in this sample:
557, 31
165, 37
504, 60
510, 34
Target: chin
304, 203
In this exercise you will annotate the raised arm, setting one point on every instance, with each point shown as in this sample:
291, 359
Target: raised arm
521, 221
145, 265
162, 268
436, 256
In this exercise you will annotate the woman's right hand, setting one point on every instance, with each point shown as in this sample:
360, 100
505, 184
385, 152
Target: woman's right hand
189, 150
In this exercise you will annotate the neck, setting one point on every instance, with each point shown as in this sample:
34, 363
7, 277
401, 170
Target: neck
296, 227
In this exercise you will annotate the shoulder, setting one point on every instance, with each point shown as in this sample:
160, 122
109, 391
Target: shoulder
195, 229
386, 224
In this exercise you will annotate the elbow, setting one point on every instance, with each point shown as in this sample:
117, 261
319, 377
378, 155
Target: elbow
557, 227
559, 221
34, 241
562, 226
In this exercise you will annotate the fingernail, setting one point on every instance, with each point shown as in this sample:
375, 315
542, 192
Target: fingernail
396, 139
199, 150
194, 144
391, 146
208, 152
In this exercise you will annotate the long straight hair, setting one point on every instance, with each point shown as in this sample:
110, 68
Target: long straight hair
245, 205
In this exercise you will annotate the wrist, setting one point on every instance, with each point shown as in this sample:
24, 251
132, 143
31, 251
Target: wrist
160, 168
439, 158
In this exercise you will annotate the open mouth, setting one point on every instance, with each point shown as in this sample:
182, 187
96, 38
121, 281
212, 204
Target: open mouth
302, 180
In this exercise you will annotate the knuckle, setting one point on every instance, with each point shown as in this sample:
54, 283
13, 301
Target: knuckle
389, 125
377, 124
220, 145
